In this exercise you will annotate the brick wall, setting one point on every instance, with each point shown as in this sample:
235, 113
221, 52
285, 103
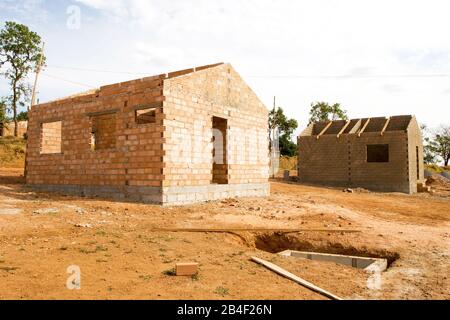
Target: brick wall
168, 159
192, 100
130, 154
342, 161
415, 155
191, 103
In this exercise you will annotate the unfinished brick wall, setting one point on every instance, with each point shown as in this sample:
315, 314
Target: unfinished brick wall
152, 139
415, 155
339, 157
129, 160
192, 100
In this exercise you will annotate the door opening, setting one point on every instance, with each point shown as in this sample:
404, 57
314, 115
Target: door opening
219, 152
417, 163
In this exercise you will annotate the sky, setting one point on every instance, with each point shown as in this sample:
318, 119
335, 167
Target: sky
375, 58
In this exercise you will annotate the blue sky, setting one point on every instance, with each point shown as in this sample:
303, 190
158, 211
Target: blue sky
291, 49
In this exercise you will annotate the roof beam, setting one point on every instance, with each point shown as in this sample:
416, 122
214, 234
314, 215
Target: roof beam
343, 129
385, 125
325, 129
364, 128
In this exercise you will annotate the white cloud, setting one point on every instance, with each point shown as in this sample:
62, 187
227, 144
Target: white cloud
25, 9
276, 37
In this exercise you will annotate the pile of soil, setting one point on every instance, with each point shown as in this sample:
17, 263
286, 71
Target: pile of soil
438, 181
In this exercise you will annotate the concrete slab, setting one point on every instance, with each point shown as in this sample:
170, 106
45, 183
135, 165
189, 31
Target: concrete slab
368, 264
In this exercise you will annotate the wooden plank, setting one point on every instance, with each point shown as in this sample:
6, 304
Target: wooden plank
385, 125
293, 277
147, 106
325, 129
250, 230
101, 113
364, 128
343, 129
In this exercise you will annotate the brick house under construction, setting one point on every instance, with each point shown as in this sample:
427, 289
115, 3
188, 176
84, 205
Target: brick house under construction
187, 136
381, 154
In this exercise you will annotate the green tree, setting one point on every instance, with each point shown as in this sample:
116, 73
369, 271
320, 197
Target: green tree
20, 54
429, 157
322, 111
439, 144
23, 116
2, 110
286, 127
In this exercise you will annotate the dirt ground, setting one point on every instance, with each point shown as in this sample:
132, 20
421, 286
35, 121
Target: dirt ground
121, 256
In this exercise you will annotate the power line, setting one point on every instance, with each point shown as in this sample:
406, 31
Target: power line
379, 76
69, 81
99, 71
386, 76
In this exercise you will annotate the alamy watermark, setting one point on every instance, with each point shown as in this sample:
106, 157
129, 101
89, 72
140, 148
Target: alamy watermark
73, 21
74, 280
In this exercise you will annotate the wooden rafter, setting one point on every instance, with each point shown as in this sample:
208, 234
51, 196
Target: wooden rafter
364, 127
385, 125
343, 129
324, 129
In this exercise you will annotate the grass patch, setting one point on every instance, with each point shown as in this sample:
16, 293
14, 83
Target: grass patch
8, 269
195, 277
97, 249
437, 169
145, 277
170, 272
12, 152
221, 291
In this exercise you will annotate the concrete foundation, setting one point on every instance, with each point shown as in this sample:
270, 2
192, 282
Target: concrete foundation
368, 264
163, 196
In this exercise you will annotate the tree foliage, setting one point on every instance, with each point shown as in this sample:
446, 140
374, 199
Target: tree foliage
429, 157
322, 111
2, 110
23, 116
20, 54
438, 145
286, 127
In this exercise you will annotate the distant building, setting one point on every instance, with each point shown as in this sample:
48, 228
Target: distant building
381, 154
7, 129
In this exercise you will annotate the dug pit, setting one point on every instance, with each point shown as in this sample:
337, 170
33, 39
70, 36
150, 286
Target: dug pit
324, 250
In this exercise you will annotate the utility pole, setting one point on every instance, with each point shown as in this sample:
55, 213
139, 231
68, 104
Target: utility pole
38, 70
33, 102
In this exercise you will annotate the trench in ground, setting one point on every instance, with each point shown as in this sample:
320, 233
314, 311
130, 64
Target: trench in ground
276, 243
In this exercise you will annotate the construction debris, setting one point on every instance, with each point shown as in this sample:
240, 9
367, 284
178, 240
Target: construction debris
293, 277
83, 225
46, 211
